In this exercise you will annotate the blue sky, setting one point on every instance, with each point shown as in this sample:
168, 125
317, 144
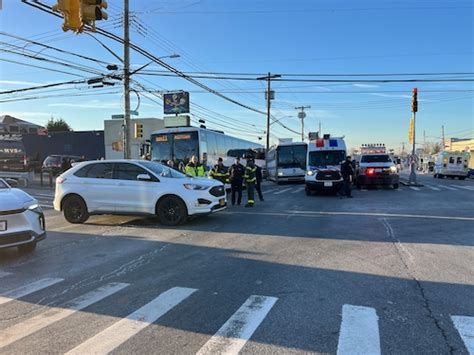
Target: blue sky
302, 37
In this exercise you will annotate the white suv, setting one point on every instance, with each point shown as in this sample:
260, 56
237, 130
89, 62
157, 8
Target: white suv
135, 187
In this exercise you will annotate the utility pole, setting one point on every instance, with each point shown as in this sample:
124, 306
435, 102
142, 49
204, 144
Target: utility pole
319, 130
301, 116
127, 135
269, 95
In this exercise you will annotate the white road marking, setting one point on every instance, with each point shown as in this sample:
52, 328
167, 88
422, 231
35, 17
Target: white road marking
469, 188
282, 191
238, 329
465, 327
432, 188
298, 190
32, 325
269, 191
115, 335
27, 289
364, 214
359, 332
447, 187
4, 274
414, 188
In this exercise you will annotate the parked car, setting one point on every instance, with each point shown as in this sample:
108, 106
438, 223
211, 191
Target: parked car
135, 187
22, 221
53, 163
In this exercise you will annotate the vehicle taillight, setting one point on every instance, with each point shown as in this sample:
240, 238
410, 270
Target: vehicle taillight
370, 171
60, 180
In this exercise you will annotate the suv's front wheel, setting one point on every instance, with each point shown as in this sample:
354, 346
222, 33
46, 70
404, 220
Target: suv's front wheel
75, 210
171, 211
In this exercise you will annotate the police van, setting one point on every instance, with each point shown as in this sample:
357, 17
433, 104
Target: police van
324, 158
452, 164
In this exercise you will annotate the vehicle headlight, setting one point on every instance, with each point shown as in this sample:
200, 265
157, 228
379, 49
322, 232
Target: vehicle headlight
195, 187
280, 173
34, 207
393, 169
310, 173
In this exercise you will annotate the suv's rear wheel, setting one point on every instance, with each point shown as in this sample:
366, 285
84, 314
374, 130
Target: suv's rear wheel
171, 211
75, 210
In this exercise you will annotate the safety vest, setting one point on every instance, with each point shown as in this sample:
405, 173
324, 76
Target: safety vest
250, 175
220, 173
194, 170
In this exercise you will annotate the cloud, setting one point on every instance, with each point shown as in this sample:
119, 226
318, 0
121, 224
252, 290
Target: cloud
365, 85
18, 83
402, 96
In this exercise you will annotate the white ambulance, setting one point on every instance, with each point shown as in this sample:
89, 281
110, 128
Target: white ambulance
452, 164
324, 159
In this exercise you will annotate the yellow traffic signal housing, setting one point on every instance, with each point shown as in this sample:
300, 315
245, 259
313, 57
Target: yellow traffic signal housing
138, 131
71, 13
410, 131
91, 11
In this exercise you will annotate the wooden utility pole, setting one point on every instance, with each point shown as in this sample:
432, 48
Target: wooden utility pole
127, 134
269, 95
302, 116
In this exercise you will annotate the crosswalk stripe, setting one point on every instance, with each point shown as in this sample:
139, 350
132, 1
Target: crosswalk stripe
447, 187
414, 188
117, 334
470, 188
432, 188
32, 325
27, 289
359, 332
298, 190
465, 327
270, 191
282, 191
238, 329
4, 274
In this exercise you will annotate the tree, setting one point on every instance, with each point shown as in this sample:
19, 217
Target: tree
433, 147
58, 125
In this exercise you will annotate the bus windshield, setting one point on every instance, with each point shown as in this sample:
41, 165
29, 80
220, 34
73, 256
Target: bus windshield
179, 146
326, 158
293, 156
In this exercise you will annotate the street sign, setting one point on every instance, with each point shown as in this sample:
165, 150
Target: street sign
120, 116
177, 121
135, 113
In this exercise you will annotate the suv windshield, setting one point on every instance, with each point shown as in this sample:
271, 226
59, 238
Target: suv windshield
326, 158
380, 158
162, 170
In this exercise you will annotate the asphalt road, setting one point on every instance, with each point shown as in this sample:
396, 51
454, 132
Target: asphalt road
388, 271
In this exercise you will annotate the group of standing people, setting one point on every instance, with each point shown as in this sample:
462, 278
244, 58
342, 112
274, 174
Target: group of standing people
237, 176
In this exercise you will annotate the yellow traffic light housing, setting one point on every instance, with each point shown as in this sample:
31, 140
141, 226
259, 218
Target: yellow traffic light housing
71, 10
138, 131
91, 11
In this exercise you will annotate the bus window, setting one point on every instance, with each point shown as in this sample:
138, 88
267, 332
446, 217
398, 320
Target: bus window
211, 144
185, 146
161, 147
220, 145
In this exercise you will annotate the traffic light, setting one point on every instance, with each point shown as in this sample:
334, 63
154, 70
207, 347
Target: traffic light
91, 11
71, 10
414, 100
138, 131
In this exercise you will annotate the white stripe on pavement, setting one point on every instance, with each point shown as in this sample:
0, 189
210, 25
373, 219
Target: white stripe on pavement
32, 325
117, 334
414, 188
269, 191
298, 190
448, 188
465, 327
3, 274
432, 188
27, 289
470, 188
238, 329
359, 332
282, 191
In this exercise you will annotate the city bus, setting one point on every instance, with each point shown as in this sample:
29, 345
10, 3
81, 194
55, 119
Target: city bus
179, 144
286, 161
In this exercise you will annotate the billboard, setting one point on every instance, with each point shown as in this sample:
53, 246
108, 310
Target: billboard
176, 103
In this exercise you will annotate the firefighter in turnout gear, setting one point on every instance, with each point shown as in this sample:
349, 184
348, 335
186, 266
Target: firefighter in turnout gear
194, 168
220, 172
250, 178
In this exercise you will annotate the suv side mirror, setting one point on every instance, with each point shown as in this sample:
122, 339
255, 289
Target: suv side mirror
144, 177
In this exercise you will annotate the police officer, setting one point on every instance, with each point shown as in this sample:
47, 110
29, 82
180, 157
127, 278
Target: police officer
250, 180
258, 185
347, 173
194, 168
220, 172
236, 177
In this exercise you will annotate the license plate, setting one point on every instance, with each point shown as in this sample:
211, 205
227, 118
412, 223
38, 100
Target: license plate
378, 170
222, 202
328, 184
3, 226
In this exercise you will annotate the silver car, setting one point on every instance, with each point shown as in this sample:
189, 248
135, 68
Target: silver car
22, 222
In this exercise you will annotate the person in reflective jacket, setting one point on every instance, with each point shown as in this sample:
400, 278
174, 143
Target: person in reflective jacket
250, 178
194, 168
220, 172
